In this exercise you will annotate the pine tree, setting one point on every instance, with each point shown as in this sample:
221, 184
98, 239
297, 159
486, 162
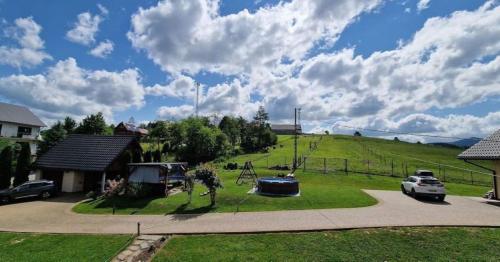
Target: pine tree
23, 165
5, 167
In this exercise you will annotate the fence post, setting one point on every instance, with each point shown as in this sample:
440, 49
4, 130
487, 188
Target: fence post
305, 159
392, 167
324, 165
471, 178
267, 158
444, 174
345, 166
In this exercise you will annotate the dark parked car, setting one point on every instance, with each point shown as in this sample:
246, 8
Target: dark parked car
39, 188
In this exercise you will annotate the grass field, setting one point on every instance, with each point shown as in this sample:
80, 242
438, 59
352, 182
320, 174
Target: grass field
332, 190
317, 191
371, 155
403, 244
56, 247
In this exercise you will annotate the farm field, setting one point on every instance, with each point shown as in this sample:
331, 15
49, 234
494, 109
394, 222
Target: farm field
58, 247
396, 244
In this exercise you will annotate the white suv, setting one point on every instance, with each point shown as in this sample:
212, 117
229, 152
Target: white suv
428, 186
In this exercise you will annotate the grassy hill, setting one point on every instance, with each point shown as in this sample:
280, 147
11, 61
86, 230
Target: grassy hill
371, 156
336, 189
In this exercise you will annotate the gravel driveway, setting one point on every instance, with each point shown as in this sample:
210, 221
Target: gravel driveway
393, 209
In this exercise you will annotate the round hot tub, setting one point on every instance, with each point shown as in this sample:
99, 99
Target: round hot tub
277, 186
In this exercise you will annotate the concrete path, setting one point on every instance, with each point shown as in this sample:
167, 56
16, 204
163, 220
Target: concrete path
394, 209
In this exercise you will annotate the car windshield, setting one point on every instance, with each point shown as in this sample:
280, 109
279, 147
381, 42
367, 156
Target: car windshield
425, 174
430, 181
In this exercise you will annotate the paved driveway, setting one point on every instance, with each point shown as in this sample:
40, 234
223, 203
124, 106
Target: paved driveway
394, 209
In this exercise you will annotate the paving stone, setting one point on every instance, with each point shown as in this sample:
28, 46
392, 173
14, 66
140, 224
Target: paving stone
153, 238
145, 245
134, 247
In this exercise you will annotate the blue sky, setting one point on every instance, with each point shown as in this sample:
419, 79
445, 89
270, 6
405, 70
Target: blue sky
327, 57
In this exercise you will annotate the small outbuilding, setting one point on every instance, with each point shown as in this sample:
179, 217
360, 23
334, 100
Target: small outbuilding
487, 149
157, 175
286, 129
130, 129
83, 163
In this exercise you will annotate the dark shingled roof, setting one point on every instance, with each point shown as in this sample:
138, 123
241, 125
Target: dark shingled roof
84, 152
18, 115
285, 127
486, 149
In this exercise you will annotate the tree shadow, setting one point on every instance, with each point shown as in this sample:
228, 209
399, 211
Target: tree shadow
181, 213
122, 203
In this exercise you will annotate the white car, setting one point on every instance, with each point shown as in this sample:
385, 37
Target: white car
423, 186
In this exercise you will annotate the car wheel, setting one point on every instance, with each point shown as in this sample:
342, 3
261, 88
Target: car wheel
413, 193
4, 200
403, 190
441, 198
45, 195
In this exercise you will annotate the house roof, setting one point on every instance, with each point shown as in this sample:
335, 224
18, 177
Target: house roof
18, 115
285, 127
84, 153
486, 149
132, 128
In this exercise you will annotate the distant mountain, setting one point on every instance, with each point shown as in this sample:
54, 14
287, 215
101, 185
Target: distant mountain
462, 143
467, 142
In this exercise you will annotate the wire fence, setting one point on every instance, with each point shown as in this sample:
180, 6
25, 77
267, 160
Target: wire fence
396, 168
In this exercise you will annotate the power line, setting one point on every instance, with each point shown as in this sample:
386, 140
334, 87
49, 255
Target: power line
408, 133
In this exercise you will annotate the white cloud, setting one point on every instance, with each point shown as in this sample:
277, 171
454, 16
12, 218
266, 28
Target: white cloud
67, 89
30, 51
451, 62
443, 66
84, 30
423, 4
103, 49
187, 36
103, 9
175, 112
183, 87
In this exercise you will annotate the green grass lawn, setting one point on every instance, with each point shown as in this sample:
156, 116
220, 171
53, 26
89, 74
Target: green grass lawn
332, 190
56, 247
402, 244
317, 191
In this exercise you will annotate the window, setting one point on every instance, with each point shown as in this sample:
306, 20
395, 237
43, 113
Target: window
23, 131
0, 129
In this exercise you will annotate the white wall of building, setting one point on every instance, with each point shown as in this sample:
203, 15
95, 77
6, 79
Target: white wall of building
72, 181
9, 130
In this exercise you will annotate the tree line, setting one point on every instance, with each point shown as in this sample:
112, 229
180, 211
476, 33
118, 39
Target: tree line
194, 139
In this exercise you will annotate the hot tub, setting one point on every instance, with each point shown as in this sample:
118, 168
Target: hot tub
278, 186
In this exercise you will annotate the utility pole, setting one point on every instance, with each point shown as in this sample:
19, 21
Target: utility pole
197, 95
295, 143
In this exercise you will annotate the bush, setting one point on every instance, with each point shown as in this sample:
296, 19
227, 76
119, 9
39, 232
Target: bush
92, 195
208, 177
139, 190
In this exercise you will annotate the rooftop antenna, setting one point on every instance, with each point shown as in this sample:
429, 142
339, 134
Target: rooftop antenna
197, 95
